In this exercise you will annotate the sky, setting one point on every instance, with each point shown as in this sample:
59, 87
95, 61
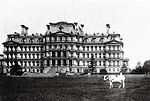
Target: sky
130, 18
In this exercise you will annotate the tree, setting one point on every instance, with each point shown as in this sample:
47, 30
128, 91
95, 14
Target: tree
92, 64
124, 68
103, 71
146, 66
16, 69
138, 69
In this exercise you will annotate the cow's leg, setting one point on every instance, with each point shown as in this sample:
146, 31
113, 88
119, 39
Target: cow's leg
123, 83
110, 85
120, 85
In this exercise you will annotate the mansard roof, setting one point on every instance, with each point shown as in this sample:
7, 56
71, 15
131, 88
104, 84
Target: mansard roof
61, 23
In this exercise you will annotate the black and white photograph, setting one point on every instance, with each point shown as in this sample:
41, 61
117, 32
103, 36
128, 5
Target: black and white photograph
74, 50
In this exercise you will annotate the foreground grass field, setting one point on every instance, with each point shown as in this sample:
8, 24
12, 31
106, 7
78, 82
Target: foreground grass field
81, 88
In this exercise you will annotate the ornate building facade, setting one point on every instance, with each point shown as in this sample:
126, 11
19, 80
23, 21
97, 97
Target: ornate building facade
65, 47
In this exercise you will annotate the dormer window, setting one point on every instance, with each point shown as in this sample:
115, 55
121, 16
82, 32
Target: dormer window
25, 40
60, 28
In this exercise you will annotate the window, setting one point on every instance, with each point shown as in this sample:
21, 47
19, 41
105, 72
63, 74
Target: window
113, 63
95, 63
59, 62
95, 55
33, 63
59, 53
113, 55
100, 63
91, 47
87, 55
109, 63
71, 46
55, 46
118, 55
55, 38
53, 54
83, 63
60, 46
117, 47
71, 39
66, 39
53, 62
83, 55
37, 55
37, 48
99, 47
60, 38
65, 46
83, 47
33, 55
25, 55
114, 69
87, 47
99, 55
29, 55
21, 55
110, 69
95, 47
64, 63
37, 62
50, 46
118, 63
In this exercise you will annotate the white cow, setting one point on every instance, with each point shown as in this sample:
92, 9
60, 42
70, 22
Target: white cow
115, 78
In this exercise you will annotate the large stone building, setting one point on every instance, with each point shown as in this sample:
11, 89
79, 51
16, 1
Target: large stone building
66, 47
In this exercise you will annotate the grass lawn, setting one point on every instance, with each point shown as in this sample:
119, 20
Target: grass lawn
80, 88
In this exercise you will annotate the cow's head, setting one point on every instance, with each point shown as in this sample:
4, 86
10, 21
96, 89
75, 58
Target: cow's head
106, 77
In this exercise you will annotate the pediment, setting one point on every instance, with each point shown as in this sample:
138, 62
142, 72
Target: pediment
13, 43
60, 33
114, 42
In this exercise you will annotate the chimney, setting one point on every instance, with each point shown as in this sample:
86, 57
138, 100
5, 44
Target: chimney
22, 29
108, 27
76, 23
82, 26
26, 30
48, 27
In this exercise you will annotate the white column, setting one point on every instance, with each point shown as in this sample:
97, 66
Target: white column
81, 48
31, 48
111, 63
101, 47
75, 63
27, 48
67, 61
56, 63
93, 48
102, 63
107, 48
62, 63
81, 63
80, 55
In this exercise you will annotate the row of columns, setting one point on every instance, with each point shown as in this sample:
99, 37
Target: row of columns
70, 47
98, 48
73, 62
59, 39
25, 48
24, 63
101, 63
68, 54
100, 55
29, 56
